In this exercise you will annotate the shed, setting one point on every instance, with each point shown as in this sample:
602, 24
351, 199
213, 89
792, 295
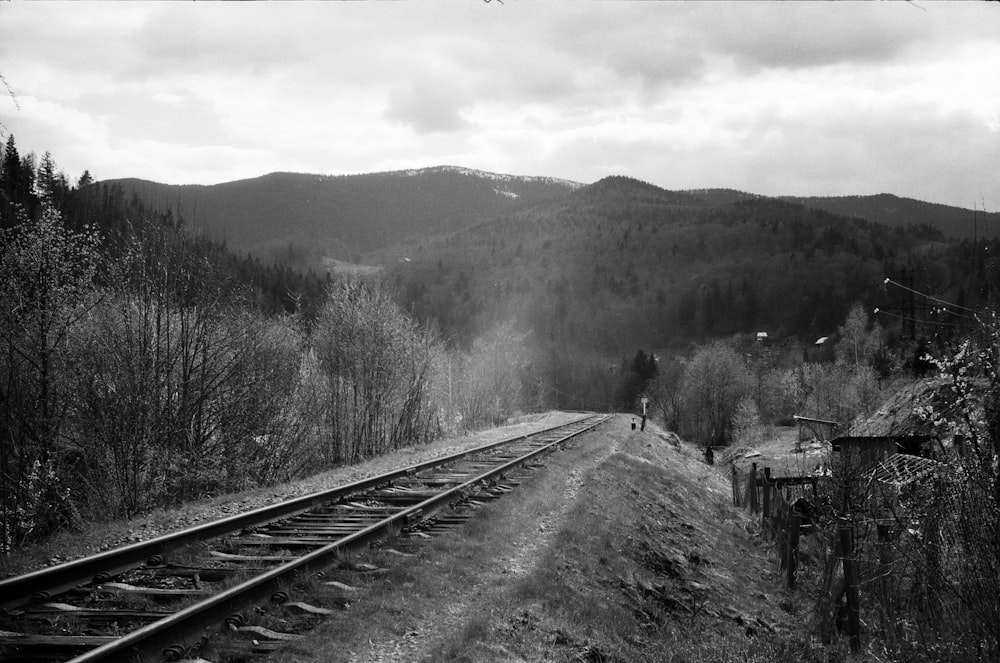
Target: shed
811, 429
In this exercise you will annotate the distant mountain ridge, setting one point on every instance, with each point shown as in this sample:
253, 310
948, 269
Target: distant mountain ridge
483, 174
343, 216
306, 219
891, 210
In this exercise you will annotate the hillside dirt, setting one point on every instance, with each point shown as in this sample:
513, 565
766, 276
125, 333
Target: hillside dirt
625, 546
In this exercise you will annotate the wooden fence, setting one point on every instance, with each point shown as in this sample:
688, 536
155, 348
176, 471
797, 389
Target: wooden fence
773, 499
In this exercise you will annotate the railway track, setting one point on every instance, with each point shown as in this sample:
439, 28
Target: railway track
156, 599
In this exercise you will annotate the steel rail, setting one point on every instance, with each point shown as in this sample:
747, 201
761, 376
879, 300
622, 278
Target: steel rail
40, 585
168, 634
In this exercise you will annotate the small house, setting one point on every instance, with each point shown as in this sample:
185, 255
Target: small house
814, 430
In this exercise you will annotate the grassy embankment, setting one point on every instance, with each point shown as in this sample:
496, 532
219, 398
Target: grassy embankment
624, 547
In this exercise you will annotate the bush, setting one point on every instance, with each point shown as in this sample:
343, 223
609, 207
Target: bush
376, 363
747, 428
715, 381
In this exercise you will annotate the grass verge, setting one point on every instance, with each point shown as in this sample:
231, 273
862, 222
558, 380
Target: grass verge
623, 548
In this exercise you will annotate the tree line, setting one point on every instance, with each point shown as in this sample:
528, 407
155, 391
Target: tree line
621, 265
731, 391
141, 366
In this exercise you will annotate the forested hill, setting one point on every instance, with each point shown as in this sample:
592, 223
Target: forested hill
895, 211
299, 219
622, 264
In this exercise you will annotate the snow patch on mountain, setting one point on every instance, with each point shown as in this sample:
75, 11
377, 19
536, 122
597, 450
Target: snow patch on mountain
495, 177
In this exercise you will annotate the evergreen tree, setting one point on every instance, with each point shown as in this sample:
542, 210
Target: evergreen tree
46, 180
636, 378
85, 180
10, 177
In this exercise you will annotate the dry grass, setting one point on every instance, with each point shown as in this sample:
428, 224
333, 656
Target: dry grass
651, 565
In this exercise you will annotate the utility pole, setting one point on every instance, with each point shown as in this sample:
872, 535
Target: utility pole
909, 278
975, 226
907, 309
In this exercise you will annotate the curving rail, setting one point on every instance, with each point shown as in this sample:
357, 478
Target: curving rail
321, 526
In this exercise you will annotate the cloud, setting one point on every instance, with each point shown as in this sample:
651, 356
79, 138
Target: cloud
644, 42
198, 40
812, 96
428, 105
799, 35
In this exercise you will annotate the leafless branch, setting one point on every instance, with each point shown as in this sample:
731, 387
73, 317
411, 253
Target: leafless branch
10, 91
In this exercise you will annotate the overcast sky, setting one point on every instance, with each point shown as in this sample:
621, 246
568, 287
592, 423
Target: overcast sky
773, 98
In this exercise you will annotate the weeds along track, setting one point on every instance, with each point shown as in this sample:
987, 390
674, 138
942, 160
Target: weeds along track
154, 600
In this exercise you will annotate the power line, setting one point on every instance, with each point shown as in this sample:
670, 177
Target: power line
926, 296
954, 313
904, 318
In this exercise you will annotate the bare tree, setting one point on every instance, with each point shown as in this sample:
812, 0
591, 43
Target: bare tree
13, 96
715, 380
491, 377
181, 391
666, 393
46, 286
377, 366
858, 344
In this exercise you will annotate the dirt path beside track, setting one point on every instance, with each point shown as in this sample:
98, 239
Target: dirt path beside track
624, 547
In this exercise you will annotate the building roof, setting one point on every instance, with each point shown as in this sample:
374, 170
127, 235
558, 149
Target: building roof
909, 444
812, 420
899, 470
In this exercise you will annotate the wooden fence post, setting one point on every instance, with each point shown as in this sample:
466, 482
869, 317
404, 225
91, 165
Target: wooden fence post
734, 479
850, 585
779, 523
766, 513
792, 551
884, 569
752, 489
